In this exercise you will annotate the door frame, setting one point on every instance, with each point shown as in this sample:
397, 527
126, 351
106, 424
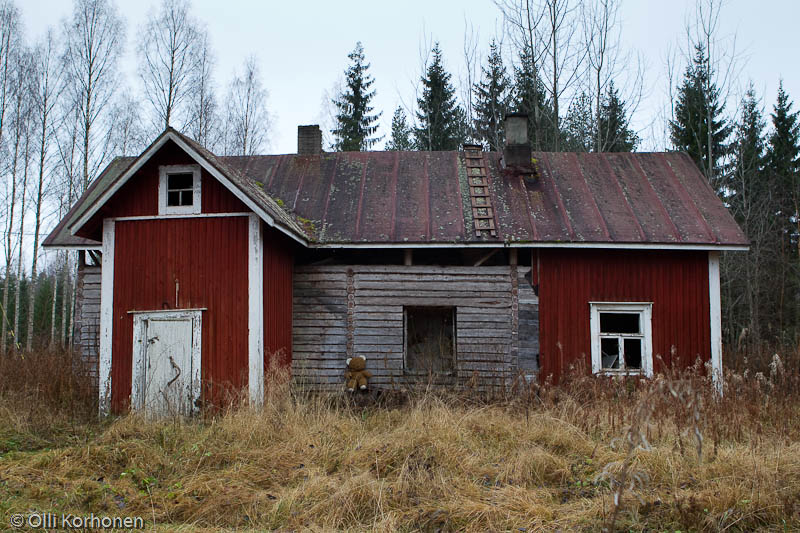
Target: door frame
140, 319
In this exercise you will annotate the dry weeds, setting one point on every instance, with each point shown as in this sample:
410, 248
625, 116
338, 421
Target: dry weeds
670, 454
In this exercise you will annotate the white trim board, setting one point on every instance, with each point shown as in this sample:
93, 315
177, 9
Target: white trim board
715, 317
591, 245
255, 315
172, 217
142, 159
106, 318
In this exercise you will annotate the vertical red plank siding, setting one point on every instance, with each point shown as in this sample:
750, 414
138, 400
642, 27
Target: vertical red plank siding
208, 257
278, 268
676, 282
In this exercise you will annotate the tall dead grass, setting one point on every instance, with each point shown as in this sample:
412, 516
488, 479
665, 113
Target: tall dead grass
661, 454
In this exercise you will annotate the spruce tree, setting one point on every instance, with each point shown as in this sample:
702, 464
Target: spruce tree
579, 125
783, 163
699, 128
747, 298
355, 124
784, 144
402, 133
492, 101
530, 98
442, 122
613, 132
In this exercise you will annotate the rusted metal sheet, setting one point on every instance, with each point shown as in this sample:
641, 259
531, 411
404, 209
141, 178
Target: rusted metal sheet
675, 282
397, 197
184, 264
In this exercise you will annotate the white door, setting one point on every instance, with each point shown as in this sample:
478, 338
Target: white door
166, 362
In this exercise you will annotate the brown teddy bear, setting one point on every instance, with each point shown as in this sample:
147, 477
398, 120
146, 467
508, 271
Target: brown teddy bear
356, 374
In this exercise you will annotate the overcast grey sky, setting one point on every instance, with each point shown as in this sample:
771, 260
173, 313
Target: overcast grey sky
302, 47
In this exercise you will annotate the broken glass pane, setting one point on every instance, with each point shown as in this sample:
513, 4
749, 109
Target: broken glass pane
619, 323
633, 353
173, 198
610, 352
180, 181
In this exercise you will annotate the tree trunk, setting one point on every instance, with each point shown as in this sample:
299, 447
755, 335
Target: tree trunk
53, 312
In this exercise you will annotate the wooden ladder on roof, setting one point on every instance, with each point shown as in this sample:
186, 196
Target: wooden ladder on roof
478, 178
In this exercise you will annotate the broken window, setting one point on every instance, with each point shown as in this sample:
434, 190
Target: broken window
621, 338
430, 339
179, 189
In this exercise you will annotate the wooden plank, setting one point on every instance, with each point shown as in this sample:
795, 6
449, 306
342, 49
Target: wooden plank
393, 284
303, 323
444, 295
379, 348
427, 269
320, 331
464, 348
310, 313
496, 303
385, 308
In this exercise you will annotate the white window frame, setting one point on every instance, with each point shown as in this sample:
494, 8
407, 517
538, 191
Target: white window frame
140, 319
645, 311
163, 173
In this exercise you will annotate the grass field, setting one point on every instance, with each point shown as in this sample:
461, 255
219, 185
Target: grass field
664, 455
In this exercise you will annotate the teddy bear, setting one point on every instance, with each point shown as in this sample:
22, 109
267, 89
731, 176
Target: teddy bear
356, 374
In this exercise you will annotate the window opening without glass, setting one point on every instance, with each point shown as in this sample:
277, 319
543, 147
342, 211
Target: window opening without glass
430, 339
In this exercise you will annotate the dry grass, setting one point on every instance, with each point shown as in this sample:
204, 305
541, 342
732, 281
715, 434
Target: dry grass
551, 458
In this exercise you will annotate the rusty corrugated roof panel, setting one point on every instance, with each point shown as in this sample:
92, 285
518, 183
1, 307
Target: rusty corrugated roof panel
423, 197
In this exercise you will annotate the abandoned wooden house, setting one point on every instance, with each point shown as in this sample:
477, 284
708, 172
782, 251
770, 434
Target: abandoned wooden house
198, 272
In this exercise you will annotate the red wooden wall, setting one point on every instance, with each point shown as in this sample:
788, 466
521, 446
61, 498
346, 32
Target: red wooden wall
208, 258
278, 268
675, 281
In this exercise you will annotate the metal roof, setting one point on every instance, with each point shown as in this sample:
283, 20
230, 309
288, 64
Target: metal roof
424, 198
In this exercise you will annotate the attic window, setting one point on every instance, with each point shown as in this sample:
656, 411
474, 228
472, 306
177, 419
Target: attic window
430, 337
622, 338
179, 189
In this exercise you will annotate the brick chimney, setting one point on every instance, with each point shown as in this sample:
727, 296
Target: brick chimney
517, 153
309, 140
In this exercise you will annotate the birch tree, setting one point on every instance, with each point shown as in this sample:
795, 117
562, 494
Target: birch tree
168, 57
248, 122
203, 123
45, 86
93, 38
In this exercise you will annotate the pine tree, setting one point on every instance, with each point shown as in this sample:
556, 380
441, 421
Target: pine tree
442, 122
530, 98
699, 128
355, 125
613, 132
401, 138
492, 101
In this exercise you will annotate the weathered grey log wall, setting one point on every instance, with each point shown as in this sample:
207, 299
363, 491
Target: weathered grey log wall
528, 325
359, 310
86, 335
